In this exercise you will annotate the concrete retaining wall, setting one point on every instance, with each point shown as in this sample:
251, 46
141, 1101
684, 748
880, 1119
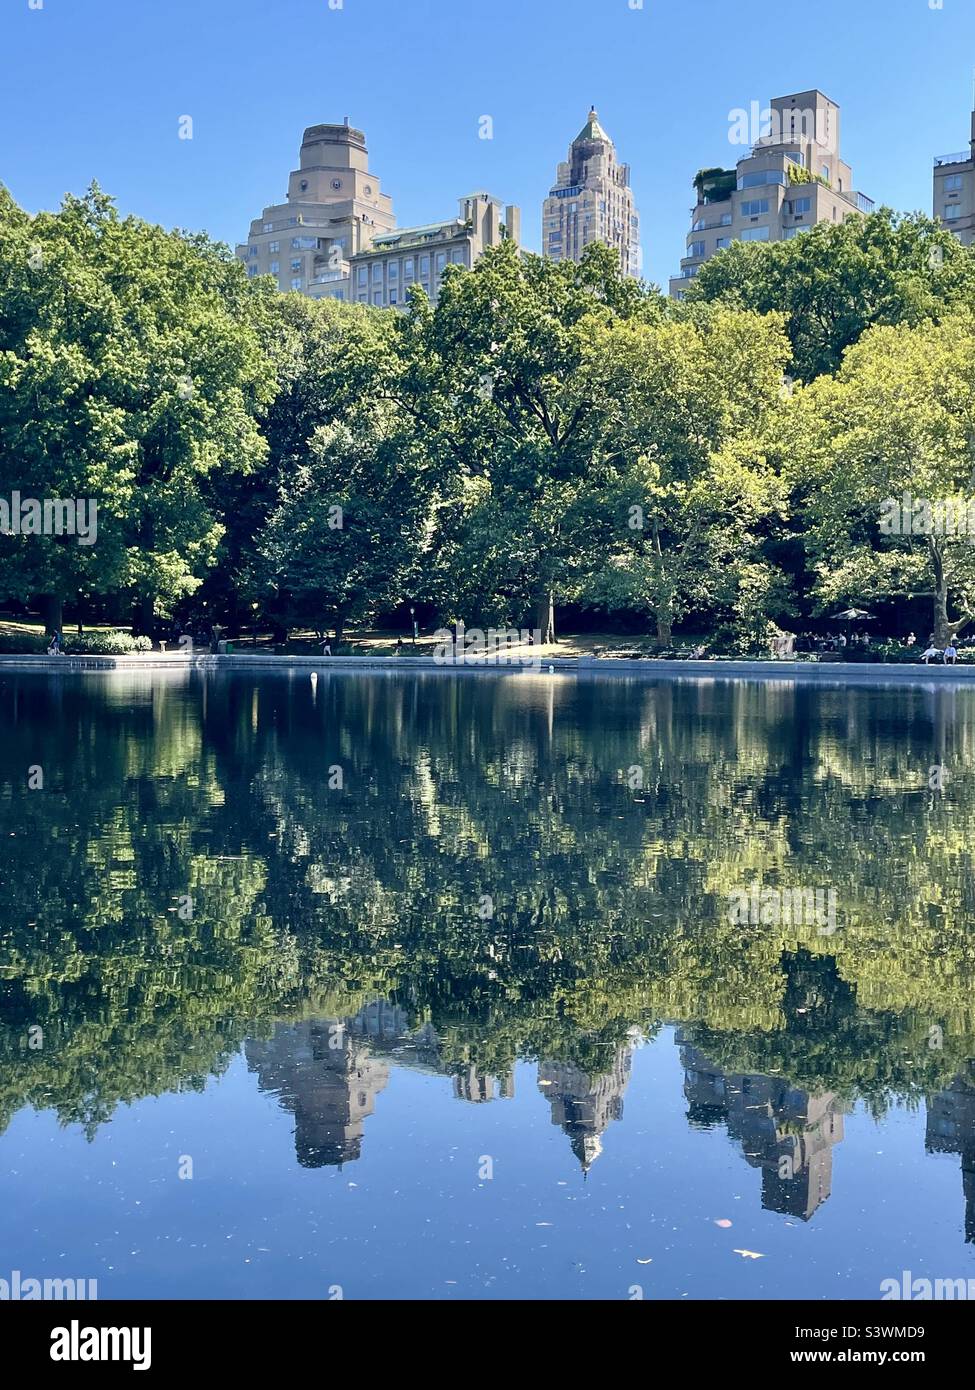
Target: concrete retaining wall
845, 672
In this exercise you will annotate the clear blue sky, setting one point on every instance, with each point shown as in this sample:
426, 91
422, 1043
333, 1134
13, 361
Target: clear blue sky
95, 89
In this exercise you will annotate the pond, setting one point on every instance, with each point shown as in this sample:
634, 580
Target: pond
481, 986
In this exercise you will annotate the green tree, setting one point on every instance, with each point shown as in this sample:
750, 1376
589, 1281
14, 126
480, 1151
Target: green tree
691, 482
835, 280
508, 389
898, 418
129, 373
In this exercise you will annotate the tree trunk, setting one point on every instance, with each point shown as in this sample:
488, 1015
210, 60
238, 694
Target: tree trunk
52, 607
664, 629
543, 613
143, 616
945, 630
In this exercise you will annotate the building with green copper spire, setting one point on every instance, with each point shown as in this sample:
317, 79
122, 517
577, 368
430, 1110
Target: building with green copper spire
591, 200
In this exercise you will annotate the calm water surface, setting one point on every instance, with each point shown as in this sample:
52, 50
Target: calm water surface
430, 986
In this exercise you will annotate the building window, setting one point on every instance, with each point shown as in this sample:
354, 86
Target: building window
296, 283
441, 260
755, 234
392, 296
723, 242
952, 212
457, 256
275, 267
362, 276
377, 296
408, 268
269, 226
377, 273
424, 265
699, 225
696, 248
953, 183
363, 299
392, 270
755, 207
759, 180
825, 172
296, 265
274, 247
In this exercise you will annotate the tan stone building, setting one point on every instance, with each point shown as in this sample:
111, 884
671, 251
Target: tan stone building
792, 178
383, 272
334, 208
954, 191
592, 200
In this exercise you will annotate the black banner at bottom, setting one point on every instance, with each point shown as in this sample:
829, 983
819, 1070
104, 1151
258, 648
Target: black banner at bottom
163, 1339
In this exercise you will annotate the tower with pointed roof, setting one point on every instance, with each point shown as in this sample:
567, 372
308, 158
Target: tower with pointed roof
591, 200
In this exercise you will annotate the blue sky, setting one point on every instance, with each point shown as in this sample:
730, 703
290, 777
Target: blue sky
95, 89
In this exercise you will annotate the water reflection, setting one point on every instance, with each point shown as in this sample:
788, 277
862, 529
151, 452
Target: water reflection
504, 869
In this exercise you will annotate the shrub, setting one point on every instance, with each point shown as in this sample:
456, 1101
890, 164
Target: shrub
20, 643
105, 644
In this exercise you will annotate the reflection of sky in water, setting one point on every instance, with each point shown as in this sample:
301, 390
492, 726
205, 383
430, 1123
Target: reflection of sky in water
342, 1044
410, 1217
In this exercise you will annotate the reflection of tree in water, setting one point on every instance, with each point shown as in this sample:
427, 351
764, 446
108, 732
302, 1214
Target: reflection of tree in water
610, 900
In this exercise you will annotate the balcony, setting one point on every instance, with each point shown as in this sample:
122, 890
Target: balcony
963, 157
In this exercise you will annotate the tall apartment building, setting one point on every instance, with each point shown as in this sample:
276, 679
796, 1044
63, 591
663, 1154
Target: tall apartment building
793, 178
954, 191
591, 201
383, 272
334, 209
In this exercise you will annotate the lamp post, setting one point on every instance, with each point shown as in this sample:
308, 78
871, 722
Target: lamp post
413, 620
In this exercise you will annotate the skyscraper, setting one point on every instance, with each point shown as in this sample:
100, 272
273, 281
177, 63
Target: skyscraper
334, 209
793, 178
592, 201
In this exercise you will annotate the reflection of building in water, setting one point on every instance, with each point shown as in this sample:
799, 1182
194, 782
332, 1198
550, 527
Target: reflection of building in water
326, 1077
471, 1084
328, 1072
387, 1026
951, 1130
786, 1132
584, 1105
